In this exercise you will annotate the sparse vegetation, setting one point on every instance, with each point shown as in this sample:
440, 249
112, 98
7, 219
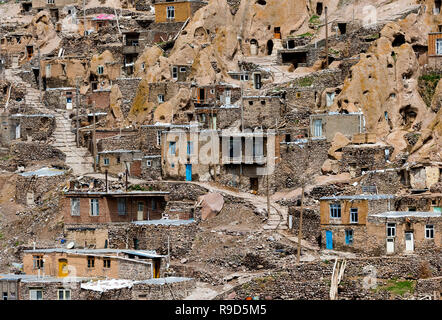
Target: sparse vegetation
399, 287
427, 86
137, 187
305, 35
314, 19
306, 82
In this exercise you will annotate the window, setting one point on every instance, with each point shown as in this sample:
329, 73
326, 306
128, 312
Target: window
143, 66
106, 262
149, 163
35, 294
121, 203
118, 159
244, 77
183, 69
106, 161
257, 80
161, 98
391, 229
75, 207
5, 296
354, 215
38, 262
158, 138
171, 12
172, 146
100, 69
439, 46
51, 1
154, 204
64, 294
175, 72
317, 128
90, 262
141, 206
349, 236
429, 231
335, 210
95, 209
189, 148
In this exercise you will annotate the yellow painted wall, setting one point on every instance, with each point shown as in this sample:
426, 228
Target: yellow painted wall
182, 11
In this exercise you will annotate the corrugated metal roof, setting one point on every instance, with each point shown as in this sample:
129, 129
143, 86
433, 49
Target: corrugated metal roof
404, 214
361, 197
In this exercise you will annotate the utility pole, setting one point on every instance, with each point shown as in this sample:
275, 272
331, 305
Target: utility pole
77, 106
300, 223
268, 196
40, 85
84, 17
94, 138
326, 39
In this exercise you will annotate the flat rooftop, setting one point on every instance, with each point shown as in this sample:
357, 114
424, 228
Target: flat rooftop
113, 252
165, 222
117, 194
361, 197
404, 214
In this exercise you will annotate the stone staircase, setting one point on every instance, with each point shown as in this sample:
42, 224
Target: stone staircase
78, 159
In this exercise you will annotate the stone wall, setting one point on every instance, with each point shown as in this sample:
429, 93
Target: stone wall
26, 152
123, 142
311, 230
35, 187
128, 88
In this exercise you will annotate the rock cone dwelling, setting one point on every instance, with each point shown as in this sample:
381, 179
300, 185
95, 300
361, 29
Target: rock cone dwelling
187, 149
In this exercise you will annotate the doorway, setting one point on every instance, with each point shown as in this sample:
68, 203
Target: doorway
156, 268
329, 240
390, 245
140, 211
188, 172
63, 267
254, 185
269, 47
409, 241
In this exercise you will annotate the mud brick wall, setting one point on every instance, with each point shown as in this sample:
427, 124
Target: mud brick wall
36, 185
144, 291
262, 112
295, 157
148, 140
134, 271
154, 237
128, 88
124, 142
384, 181
161, 32
303, 97
25, 152
38, 128
421, 204
153, 172
358, 157
311, 230
226, 117
50, 289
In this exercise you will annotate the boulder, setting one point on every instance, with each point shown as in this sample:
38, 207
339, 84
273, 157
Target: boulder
330, 166
339, 141
211, 205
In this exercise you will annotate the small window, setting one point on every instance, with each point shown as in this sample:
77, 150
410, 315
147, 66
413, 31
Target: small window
149, 163
391, 229
250, 103
64, 294
5, 296
36, 294
354, 215
94, 207
439, 46
349, 236
335, 210
143, 66
429, 231
121, 203
172, 147
172, 165
161, 98
75, 207
183, 69
175, 73
298, 94
189, 148
38, 262
91, 262
158, 138
106, 263
106, 161
171, 12
100, 69
118, 159
51, 1
263, 102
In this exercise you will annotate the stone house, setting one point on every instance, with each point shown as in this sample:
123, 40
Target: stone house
17, 48
118, 161
180, 72
404, 231
343, 219
96, 263
176, 11
424, 175
62, 72
423, 202
435, 50
328, 124
61, 98
362, 158
262, 111
97, 207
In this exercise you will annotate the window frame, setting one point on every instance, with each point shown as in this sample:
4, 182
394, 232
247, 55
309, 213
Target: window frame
100, 68
78, 207
335, 210
170, 12
352, 212
92, 211
106, 161
148, 163
172, 146
175, 72
90, 262
183, 69
36, 290
349, 235
37, 262
160, 98
122, 202
391, 227
64, 294
106, 263
429, 228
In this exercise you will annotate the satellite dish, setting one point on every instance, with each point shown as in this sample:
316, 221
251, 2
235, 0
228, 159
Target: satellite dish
70, 245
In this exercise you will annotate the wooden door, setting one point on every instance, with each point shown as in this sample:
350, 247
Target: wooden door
63, 267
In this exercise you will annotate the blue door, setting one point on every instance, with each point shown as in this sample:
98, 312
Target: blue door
329, 240
188, 172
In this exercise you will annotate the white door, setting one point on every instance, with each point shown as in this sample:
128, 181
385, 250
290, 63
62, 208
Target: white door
140, 211
409, 243
290, 222
330, 97
317, 128
15, 62
228, 95
17, 131
69, 103
390, 245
